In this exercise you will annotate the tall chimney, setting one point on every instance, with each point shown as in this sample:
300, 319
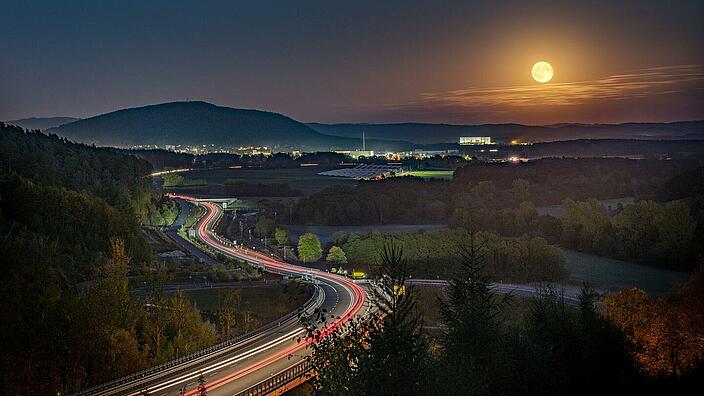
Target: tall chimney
364, 142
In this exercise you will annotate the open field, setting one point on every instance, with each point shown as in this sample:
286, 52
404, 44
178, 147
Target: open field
305, 179
433, 174
612, 275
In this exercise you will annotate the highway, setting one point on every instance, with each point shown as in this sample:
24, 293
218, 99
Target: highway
235, 368
343, 300
251, 359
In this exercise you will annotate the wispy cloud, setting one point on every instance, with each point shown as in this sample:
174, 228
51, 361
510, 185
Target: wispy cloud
502, 100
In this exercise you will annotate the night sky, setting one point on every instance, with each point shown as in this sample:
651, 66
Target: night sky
361, 61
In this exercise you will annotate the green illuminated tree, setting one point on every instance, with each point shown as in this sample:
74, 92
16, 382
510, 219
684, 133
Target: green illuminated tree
336, 256
309, 248
172, 179
281, 236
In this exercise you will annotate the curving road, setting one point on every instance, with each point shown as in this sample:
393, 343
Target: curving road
234, 368
343, 300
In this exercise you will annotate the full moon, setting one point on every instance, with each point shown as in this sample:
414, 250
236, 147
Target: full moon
542, 72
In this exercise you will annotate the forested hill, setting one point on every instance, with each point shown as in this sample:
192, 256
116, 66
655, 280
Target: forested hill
69, 215
77, 196
51, 160
198, 123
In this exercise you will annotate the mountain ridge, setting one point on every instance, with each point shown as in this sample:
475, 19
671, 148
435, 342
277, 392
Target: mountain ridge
198, 122
41, 123
428, 133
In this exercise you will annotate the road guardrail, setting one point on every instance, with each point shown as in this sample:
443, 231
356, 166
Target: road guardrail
307, 308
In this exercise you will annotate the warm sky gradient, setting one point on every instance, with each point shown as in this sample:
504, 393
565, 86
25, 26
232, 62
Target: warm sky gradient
455, 62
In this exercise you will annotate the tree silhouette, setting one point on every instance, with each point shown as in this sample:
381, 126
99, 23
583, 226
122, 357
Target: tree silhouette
201, 386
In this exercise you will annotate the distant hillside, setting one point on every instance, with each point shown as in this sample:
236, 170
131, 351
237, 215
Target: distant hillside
442, 133
41, 123
199, 123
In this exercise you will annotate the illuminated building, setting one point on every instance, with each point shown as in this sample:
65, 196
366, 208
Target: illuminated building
474, 140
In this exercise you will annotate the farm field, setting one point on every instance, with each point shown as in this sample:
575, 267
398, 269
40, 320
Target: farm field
612, 275
305, 179
433, 174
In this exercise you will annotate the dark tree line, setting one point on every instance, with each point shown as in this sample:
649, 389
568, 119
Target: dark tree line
391, 201
552, 180
660, 234
688, 188
612, 148
493, 188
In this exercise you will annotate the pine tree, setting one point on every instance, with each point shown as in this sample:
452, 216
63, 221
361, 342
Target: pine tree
398, 358
474, 328
386, 353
